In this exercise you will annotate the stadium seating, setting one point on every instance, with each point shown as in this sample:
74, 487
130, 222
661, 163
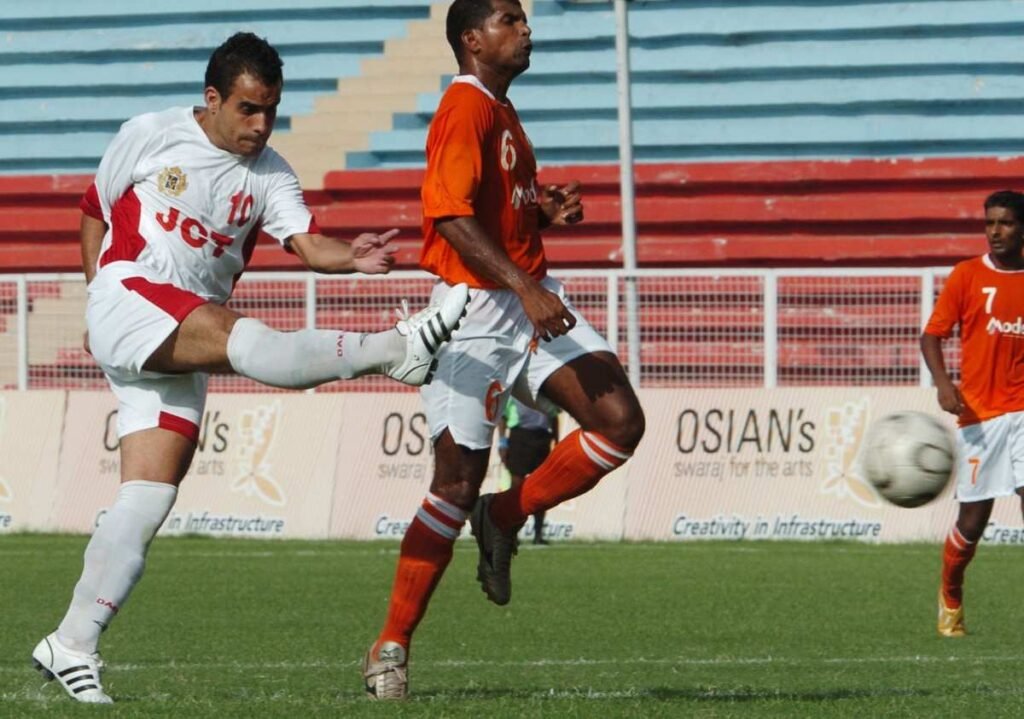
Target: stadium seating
733, 80
743, 80
760, 130
867, 212
73, 78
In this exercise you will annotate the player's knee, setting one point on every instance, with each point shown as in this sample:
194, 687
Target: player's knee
246, 336
458, 483
463, 494
624, 424
972, 525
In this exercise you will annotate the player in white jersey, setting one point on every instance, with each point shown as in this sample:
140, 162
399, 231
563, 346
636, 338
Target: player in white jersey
167, 228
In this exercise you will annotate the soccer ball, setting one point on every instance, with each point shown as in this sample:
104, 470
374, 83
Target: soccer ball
908, 458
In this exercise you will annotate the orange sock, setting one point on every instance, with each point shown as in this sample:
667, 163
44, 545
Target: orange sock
425, 553
574, 466
956, 555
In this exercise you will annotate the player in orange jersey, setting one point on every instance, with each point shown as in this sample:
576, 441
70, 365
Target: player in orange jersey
483, 211
985, 297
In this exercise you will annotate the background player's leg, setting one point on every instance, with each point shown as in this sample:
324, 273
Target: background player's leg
957, 552
961, 544
593, 389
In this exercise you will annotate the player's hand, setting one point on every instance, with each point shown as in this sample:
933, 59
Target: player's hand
950, 399
562, 205
85, 343
549, 315
373, 254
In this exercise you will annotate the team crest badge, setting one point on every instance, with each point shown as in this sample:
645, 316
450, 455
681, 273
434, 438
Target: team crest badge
172, 181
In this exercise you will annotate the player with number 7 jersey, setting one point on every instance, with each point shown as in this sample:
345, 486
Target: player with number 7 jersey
984, 296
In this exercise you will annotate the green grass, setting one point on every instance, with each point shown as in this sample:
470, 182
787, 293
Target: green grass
234, 628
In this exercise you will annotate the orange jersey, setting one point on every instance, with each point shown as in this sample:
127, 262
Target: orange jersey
480, 164
988, 304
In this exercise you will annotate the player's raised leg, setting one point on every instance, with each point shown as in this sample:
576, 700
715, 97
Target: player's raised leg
593, 389
213, 338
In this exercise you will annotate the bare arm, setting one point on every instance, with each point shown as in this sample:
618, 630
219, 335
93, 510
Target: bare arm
487, 258
368, 253
948, 395
91, 232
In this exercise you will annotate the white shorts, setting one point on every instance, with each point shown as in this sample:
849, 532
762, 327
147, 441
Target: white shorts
486, 357
990, 458
129, 314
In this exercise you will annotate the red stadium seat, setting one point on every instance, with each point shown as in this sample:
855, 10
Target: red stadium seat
856, 212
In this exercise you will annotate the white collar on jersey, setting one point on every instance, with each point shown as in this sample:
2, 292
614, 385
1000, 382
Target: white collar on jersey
475, 82
988, 263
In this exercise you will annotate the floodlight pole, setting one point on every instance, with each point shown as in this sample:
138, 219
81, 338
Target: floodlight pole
627, 192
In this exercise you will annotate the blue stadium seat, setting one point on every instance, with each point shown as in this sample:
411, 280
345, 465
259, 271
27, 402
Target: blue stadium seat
738, 79
729, 80
71, 79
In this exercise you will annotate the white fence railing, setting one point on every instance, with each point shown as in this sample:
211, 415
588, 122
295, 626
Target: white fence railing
725, 328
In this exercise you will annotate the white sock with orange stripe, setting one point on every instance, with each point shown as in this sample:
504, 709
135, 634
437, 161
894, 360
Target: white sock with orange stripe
426, 551
575, 465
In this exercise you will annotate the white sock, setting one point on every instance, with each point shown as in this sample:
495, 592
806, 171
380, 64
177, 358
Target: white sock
307, 358
114, 560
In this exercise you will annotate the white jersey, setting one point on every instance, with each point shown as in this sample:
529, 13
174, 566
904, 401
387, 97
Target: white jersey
186, 209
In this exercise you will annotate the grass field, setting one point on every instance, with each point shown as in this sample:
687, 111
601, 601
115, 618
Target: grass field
229, 628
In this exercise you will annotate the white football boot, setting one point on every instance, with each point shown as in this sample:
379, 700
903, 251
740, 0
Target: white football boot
77, 672
386, 675
425, 332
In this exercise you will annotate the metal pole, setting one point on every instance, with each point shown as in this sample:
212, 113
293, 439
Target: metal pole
310, 309
21, 292
612, 296
771, 330
927, 302
627, 190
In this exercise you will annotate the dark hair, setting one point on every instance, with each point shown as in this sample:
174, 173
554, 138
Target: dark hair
1010, 199
243, 54
465, 15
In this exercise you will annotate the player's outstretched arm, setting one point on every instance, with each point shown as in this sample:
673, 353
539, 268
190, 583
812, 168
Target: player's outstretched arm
948, 394
486, 257
369, 253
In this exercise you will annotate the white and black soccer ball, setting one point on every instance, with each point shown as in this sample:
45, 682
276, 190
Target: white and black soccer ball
908, 458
